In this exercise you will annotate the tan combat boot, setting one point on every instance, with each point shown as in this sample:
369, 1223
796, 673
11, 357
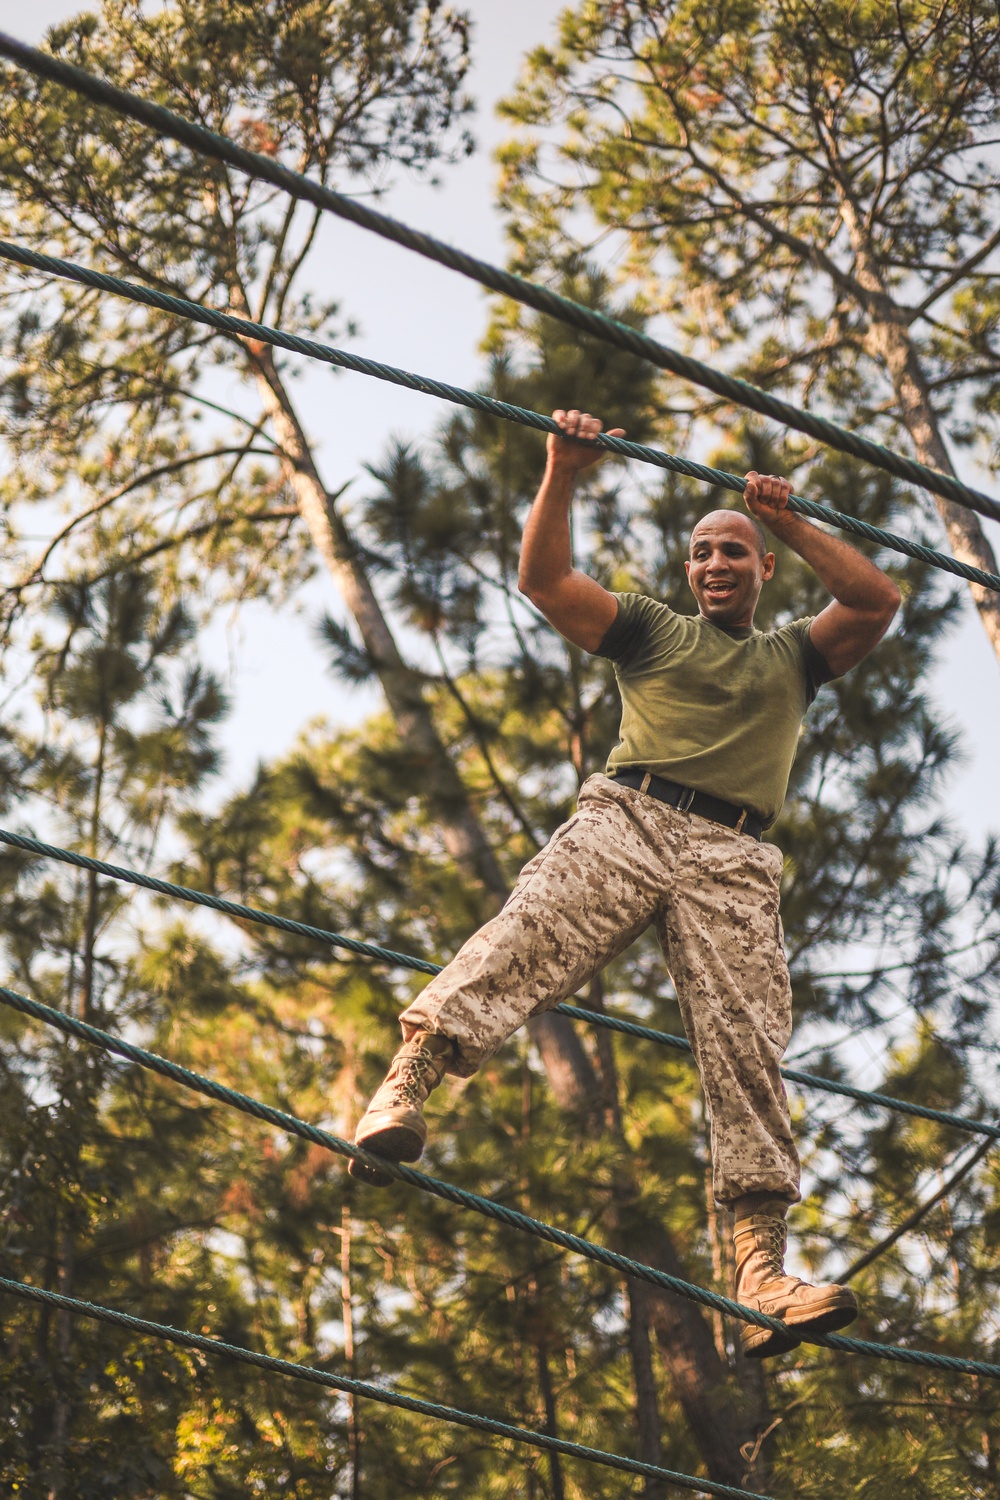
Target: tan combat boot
392, 1125
761, 1283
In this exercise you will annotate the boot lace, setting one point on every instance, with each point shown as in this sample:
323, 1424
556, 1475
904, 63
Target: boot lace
772, 1245
417, 1076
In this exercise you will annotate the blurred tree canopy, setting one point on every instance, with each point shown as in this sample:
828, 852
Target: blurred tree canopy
117, 1187
812, 185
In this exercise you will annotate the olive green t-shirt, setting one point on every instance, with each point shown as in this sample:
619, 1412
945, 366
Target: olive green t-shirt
716, 709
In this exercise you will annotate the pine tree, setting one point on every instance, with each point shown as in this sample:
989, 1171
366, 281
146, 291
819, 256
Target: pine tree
176, 221
811, 185
408, 829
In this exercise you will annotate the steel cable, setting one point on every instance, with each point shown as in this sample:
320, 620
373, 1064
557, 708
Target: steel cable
217, 1349
263, 333
239, 912
489, 1207
587, 319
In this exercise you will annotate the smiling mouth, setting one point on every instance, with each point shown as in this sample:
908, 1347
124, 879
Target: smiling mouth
720, 590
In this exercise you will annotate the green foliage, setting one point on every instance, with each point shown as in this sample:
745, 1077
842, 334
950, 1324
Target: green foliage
119, 415
201, 1220
785, 179
119, 1188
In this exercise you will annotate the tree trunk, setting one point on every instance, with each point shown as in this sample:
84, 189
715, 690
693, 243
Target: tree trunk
723, 1426
688, 1351
463, 836
64, 1336
968, 540
574, 1082
549, 1401
347, 1310
718, 1421
647, 1407
889, 339
86, 1006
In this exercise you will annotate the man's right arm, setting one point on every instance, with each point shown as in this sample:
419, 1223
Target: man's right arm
576, 605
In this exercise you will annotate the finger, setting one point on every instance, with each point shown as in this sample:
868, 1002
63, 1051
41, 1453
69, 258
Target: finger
616, 432
559, 416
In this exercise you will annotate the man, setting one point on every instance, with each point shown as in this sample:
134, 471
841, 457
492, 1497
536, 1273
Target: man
671, 836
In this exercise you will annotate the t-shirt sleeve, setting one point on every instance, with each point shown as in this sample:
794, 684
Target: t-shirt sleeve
625, 638
815, 667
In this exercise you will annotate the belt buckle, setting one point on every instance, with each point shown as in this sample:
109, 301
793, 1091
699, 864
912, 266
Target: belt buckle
686, 798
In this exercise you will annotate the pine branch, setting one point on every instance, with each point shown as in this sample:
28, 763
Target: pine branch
918, 1214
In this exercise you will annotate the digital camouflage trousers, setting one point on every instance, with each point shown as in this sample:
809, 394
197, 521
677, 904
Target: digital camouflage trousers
625, 861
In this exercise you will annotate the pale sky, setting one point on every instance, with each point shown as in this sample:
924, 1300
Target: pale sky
425, 318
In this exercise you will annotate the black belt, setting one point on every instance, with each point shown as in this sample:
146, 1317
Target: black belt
685, 799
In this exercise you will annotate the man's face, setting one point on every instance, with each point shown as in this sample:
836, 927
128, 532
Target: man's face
726, 570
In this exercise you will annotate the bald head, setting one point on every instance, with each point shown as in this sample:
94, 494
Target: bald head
754, 534
728, 565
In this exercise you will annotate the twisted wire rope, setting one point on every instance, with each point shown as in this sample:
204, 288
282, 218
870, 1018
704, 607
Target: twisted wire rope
795, 1075
218, 1349
233, 909
610, 330
239, 912
488, 1207
262, 332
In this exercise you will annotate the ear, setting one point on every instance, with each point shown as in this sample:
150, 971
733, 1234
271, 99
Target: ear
767, 565
687, 574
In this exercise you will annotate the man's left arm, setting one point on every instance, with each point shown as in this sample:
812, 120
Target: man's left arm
864, 598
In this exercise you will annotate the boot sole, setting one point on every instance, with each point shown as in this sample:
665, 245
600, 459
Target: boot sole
761, 1343
836, 1312
397, 1143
